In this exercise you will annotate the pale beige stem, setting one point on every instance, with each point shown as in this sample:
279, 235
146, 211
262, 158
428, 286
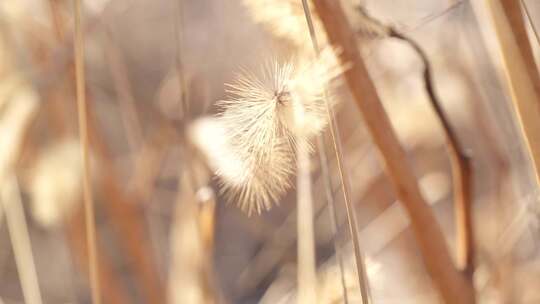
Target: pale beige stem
83, 134
191, 241
345, 186
453, 286
519, 72
515, 17
307, 279
20, 240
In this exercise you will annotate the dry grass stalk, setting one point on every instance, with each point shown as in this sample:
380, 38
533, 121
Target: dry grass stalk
188, 281
113, 291
461, 169
460, 162
83, 134
518, 71
514, 15
351, 213
118, 69
18, 105
127, 220
125, 215
20, 239
307, 279
179, 64
452, 285
120, 207
280, 241
148, 162
207, 218
19, 110
331, 205
56, 19
531, 23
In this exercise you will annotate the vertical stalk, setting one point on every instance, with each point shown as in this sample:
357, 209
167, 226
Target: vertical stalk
531, 23
20, 240
513, 11
451, 283
331, 205
306, 238
518, 71
351, 214
112, 289
83, 134
461, 168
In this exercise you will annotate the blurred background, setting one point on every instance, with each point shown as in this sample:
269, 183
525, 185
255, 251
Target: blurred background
143, 58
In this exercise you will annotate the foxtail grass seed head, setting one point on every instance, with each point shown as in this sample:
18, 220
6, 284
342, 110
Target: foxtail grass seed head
209, 136
263, 118
240, 177
284, 19
55, 184
17, 107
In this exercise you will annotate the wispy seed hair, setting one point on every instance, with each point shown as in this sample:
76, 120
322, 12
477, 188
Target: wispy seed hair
284, 19
263, 117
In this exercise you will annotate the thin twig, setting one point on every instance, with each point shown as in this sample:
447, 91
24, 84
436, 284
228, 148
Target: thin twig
179, 39
113, 291
331, 205
276, 246
460, 162
432, 17
125, 215
122, 85
56, 107
125, 218
148, 161
531, 23
56, 18
523, 90
20, 240
453, 286
512, 10
351, 213
83, 134
47, 76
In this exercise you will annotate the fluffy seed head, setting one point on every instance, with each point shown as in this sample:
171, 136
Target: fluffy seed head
55, 184
241, 175
284, 19
263, 118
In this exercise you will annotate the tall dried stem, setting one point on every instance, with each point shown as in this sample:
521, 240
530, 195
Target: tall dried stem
351, 214
126, 100
83, 134
453, 286
461, 167
113, 291
513, 11
307, 279
331, 206
20, 240
519, 74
